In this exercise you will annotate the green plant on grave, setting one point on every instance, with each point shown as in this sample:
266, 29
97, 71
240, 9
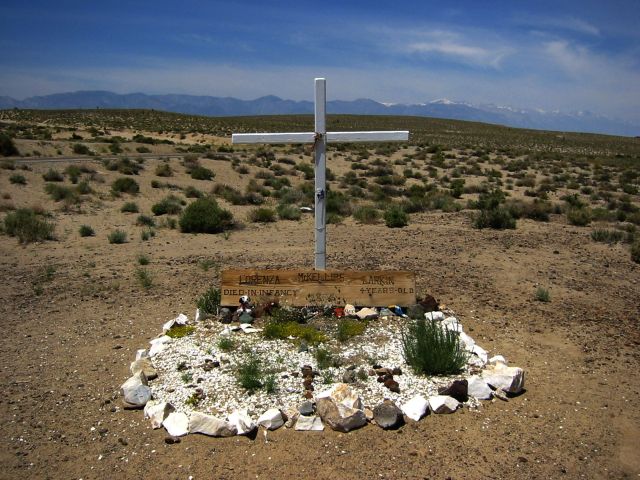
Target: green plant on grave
209, 301
249, 373
348, 328
179, 331
324, 358
187, 377
226, 344
431, 349
542, 294
270, 383
327, 377
284, 330
193, 400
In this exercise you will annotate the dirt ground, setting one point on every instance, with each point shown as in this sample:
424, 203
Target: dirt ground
70, 332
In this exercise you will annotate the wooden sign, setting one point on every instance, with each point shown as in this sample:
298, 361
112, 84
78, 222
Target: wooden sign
326, 287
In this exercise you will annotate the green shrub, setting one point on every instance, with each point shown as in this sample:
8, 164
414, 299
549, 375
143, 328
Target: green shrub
325, 358
53, 175
542, 294
18, 179
580, 217
250, 374
433, 350
7, 147
205, 216
193, 192
144, 277
125, 185
202, 173
262, 215
61, 192
28, 226
230, 194
537, 210
80, 149
73, 171
142, 149
498, 218
143, 259
170, 205
130, 207
288, 212
395, 217
117, 237
124, 165
146, 234
209, 301
86, 231
607, 236
348, 328
367, 215
84, 188
635, 251
145, 221
164, 170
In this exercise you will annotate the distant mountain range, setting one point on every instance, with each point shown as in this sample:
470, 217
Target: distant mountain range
272, 105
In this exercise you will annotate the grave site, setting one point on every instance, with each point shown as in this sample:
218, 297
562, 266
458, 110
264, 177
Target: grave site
384, 297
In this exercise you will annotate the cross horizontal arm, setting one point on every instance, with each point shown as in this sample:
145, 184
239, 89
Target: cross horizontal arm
332, 137
381, 136
305, 137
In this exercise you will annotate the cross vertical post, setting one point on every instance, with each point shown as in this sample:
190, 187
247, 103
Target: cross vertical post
320, 148
319, 138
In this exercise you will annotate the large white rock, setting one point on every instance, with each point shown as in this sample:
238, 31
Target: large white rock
341, 408
311, 423
343, 395
159, 344
443, 404
176, 424
197, 316
145, 366
181, 319
156, 412
451, 323
509, 379
467, 341
367, 313
135, 391
481, 353
496, 359
437, 316
478, 388
415, 408
210, 425
241, 420
141, 353
272, 419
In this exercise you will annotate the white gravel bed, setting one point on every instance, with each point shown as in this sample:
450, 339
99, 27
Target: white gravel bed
380, 343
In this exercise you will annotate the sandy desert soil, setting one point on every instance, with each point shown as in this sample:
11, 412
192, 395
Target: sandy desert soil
74, 314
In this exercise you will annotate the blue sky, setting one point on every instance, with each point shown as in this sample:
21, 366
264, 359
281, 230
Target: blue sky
568, 55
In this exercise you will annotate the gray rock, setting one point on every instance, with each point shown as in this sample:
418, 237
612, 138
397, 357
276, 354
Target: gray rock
509, 379
312, 423
443, 404
306, 408
388, 416
350, 376
225, 315
210, 425
135, 391
145, 366
341, 408
272, 419
479, 389
156, 412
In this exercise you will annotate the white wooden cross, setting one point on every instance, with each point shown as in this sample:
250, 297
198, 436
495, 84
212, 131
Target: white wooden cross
320, 138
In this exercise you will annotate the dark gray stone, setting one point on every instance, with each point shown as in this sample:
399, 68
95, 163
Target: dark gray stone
388, 416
